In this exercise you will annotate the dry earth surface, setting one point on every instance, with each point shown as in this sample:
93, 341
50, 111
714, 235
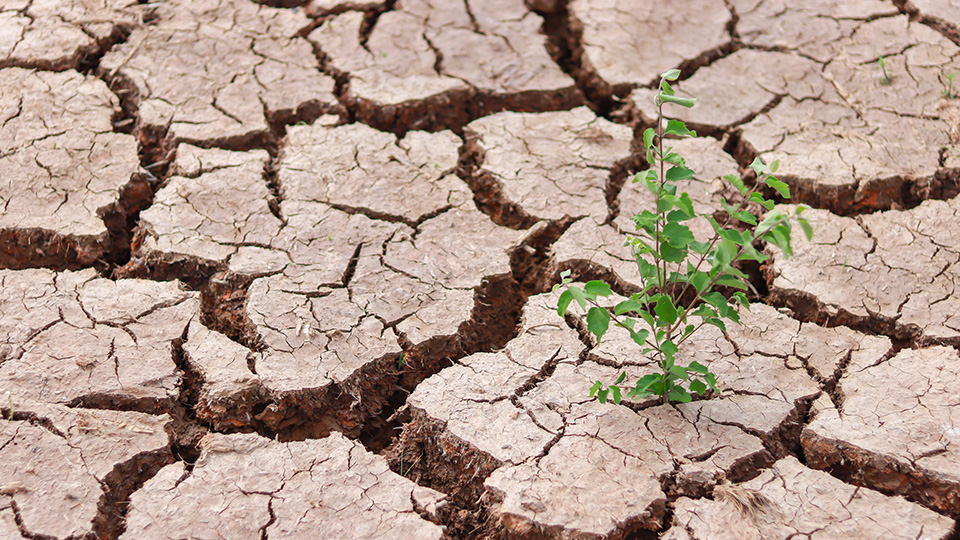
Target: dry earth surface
282, 269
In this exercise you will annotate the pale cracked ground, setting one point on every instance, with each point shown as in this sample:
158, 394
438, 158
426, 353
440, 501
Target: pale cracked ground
282, 270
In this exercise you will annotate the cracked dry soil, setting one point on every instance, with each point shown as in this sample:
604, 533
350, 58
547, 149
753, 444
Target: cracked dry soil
281, 269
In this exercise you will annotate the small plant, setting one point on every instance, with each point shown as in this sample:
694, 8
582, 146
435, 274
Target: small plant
948, 91
400, 360
682, 278
887, 76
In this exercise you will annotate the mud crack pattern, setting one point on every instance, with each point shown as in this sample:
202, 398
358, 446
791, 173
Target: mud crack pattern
282, 269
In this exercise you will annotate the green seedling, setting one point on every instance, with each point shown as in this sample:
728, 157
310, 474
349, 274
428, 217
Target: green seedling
887, 76
948, 91
400, 361
683, 280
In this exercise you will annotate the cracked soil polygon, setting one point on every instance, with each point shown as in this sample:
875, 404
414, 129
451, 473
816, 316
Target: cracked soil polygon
630, 42
852, 141
422, 52
73, 337
61, 34
63, 168
813, 29
521, 162
897, 265
219, 71
56, 461
789, 500
895, 430
367, 259
247, 486
214, 214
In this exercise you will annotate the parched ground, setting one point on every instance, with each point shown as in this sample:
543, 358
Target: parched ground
282, 269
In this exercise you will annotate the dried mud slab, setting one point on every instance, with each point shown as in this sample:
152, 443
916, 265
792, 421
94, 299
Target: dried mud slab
382, 246
856, 142
895, 428
72, 337
630, 42
361, 170
813, 29
220, 71
214, 205
63, 168
59, 35
525, 419
593, 247
57, 464
548, 165
896, 268
736, 88
790, 500
247, 486
426, 65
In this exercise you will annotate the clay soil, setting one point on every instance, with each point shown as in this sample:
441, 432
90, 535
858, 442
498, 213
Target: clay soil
282, 269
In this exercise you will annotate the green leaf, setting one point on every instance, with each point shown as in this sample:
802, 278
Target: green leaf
698, 367
774, 166
699, 247
674, 159
578, 296
669, 348
670, 75
679, 394
596, 386
758, 198
666, 88
737, 183
598, 320
731, 281
602, 395
782, 188
716, 322
758, 166
648, 318
647, 271
685, 204
639, 337
615, 390
665, 310
564, 302
648, 135
716, 300
677, 235
672, 254
678, 172
699, 280
742, 298
677, 216
627, 305
698, 386
746, 217
807, 229
711, 380
623, 375
679, 372
597, 288
683, 102
676, 127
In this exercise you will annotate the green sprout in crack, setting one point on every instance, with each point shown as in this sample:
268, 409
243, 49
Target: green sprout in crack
948, 91
887, 76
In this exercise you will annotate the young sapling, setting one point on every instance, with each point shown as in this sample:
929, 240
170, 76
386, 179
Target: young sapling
683, 280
